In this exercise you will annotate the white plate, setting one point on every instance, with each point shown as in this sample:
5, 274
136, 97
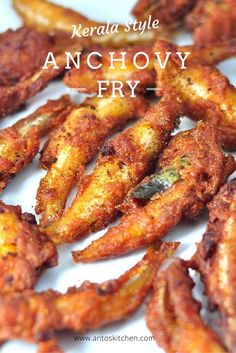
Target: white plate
22, 191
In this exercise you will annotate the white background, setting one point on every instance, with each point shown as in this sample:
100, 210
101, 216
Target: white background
22, 191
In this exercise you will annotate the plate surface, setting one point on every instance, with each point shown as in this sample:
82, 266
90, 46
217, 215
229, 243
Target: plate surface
133, 333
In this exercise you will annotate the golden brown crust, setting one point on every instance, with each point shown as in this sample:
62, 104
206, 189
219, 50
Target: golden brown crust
122, 163
13, 97
166, 11
22, 52
209, 53
197, 183
46, 17
212, 21
215, 259
205, 93
75, 143
24, 252
173, 315
20, 143
81, 309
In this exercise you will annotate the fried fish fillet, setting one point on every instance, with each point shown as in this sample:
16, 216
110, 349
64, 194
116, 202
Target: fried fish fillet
36, 316
85, 79
205, 93
192, 169
173, 315
22, 53
47, 17
215, 260
169, 12
20, 143
24, 252
75, 143
122, 163
212, 21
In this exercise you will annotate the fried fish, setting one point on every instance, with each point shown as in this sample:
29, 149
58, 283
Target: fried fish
36, 316
48, 17
205, 93
22, 53
15, 95
74, 144
20, 143
212, 21
170, 12
193, 167
173, 315
215, 260
25, 253
122, 163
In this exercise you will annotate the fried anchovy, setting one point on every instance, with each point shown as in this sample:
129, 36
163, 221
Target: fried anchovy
170, 12
75, 143
81, 309
205, 93
173, 315
122, 163
212, 21
13, 97
200, 178
24, 252
215, 259
22, 53
48, 17
20, 143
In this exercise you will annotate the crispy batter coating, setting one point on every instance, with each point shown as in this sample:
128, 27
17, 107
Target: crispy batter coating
182, 191
20, 143
215, 259
166, 11
47, 17
173, 315
22, 53
212, 21
81, 309
210, 53
205, 93
86, 78
24, 252
13, 97
75, 143
122, 163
